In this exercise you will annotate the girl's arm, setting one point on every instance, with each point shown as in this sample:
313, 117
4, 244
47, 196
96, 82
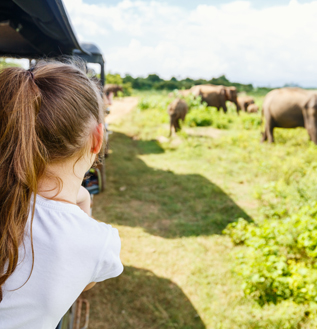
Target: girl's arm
89, 286
83, 200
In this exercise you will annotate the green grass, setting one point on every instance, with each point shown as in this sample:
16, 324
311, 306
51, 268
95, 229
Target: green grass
170, 200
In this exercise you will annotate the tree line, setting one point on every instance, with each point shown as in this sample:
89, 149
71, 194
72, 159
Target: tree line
155, 82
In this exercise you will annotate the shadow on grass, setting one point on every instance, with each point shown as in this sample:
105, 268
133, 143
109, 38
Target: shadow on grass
139, 299
149, 147
163, 203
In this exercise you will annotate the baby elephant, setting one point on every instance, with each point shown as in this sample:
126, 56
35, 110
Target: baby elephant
245, 101
177, 110
252, 108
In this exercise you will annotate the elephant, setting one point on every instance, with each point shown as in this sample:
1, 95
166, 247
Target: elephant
216, 95
212, 95
177, 110
290, 108
244, 102
252, 108
112, 88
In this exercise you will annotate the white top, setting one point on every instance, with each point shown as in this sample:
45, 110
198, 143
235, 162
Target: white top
70, 251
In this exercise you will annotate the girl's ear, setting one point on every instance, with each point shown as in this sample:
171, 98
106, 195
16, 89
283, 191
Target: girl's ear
97, 138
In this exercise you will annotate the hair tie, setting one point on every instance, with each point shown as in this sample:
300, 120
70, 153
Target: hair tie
30, 70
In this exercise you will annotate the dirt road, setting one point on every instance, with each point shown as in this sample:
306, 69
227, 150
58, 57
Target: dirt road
120, 107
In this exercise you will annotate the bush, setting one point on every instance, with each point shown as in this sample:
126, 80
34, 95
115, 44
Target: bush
280, 261
194, 102
114, 78
199, 118
251, 121
127, 89
154, 102
144, 104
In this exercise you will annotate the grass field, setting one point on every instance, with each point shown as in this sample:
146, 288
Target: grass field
171, 199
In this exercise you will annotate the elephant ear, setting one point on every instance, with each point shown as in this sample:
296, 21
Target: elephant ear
311, 103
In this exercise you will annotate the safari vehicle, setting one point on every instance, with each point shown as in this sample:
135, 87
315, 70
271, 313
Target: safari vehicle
34, 29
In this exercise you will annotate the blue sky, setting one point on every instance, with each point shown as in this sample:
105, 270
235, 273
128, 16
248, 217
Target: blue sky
267, 43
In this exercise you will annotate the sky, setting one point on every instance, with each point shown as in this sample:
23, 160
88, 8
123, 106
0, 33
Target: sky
266, 43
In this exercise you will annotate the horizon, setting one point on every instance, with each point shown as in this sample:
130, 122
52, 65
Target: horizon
290, 84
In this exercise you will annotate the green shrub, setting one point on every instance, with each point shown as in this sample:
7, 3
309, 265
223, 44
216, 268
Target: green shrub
127, 89
195, 102
114, 78
199, 117
251, 121
160, 103
120, 94
280, 261
144, 104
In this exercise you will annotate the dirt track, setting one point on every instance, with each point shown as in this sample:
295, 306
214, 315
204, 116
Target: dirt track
121, 107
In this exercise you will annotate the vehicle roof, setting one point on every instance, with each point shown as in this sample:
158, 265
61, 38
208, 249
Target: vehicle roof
91, 54
35, 28
41, 28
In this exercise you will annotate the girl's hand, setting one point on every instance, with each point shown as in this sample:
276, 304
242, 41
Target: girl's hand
83, 200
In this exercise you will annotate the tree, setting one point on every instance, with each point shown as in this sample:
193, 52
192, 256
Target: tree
114, 79
154, 78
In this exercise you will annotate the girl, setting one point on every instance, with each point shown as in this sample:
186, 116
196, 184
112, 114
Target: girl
50, 249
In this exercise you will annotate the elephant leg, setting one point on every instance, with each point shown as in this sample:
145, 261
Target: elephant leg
270, 135
171, 125
264, 136
223, 103
310, 127
268, 132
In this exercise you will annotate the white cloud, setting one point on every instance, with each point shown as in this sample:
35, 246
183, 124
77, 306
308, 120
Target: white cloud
268, 46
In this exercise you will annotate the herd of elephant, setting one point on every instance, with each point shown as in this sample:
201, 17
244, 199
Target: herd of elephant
283, 108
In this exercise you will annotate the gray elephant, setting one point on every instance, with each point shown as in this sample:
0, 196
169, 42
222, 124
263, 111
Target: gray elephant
244, 102
290, 108
177, 110
112, 88
216, 95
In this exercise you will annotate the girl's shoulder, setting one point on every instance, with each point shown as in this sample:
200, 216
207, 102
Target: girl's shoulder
70, 231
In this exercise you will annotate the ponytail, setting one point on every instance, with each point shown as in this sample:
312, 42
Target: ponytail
22, 162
